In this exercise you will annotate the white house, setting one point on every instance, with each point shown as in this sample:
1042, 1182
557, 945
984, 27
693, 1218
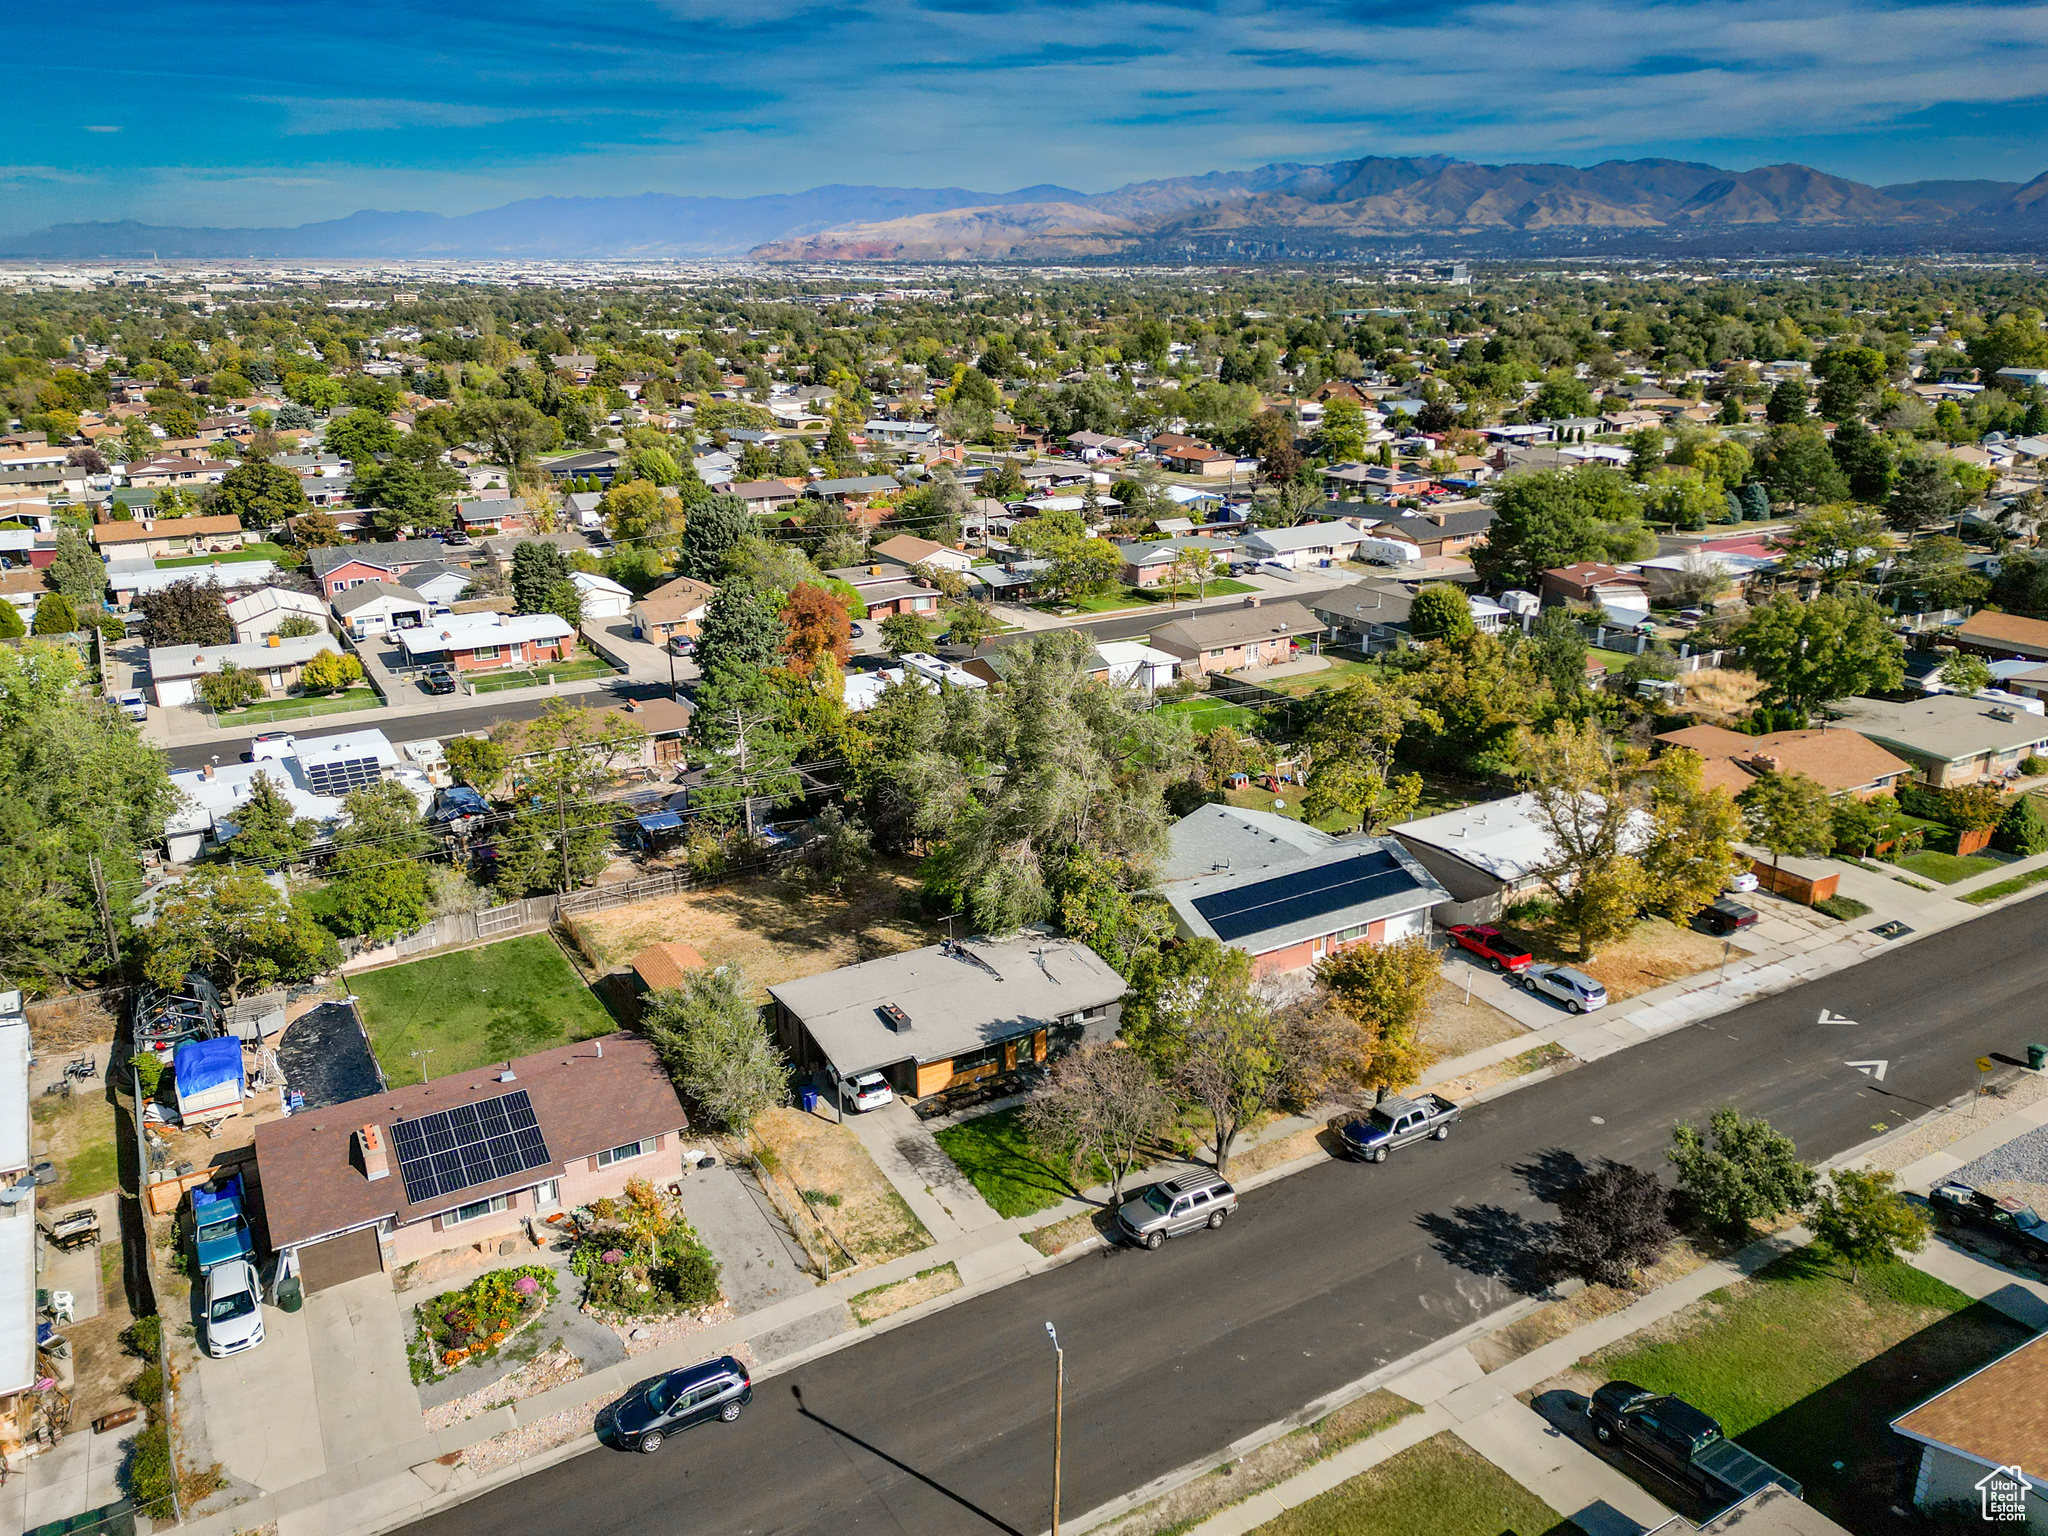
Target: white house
1136, 665
1307, 545
378, 607
275, 663
441, 585
603, 598
257, 614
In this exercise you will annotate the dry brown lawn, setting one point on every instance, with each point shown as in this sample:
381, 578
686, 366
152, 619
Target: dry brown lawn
1721, 695
1454, 1027
887, 1300
1657, 952
822, 1169
776, 930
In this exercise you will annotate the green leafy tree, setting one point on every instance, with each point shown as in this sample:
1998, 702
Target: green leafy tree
1550, 518
316, 530
537, 569
1104, 1108
742, 631
1924, 493
740, 729
1585, 801
1741, 1171
1838, 544
1690, 852
1561, 395
1966, 673
407, 495
229, 688
362, 436
711, 1038
1864, 1220
2014, 341
1787, 403
1810, 653
232, 925
78, 572
295, 626
261, 495
477, 761
382, 884
1556, 650
2023, 829
1227, 1049
903, 633
510, 432
190, 612
565, 601
1440, 610
1797, 465
268, 832
1788, 813
562, 835
330, 672
712, 528
55, 615
1351, 741
1342, 436
1867, 458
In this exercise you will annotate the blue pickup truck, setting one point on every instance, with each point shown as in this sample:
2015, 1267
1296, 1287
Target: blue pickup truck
219, 1225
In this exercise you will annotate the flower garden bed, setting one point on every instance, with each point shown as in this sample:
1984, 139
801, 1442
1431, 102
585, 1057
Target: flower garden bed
640, 1260
456, 1328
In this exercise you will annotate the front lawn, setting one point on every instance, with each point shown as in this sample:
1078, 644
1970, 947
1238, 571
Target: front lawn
574, 671
476, 1006
346, 703
1807, 1371
1441, 1486
1947, 869
262, 550
1013, 1174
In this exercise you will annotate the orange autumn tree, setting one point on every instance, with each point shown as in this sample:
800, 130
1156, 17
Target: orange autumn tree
815, 624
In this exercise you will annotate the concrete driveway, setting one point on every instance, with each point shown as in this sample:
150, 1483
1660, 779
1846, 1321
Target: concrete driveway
327, 1387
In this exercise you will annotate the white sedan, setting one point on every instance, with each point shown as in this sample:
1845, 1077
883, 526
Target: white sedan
868, 1091
234, 1309
1742, 884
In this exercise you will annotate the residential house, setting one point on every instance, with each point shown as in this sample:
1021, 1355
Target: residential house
948, 1014
313, 774
1096, 446
601, 463
2003, 635
468, 1159
158, 538
1617, 592
673, 608
1164, 444
1287, 894
490, 516
1372, 616
1154, 562
860, 495
378, 607
901, 434
187, 474
130, 579
603, 598
1486, 855
350, 565
886, 591
482, 642
23, 589
1975, 1436
1251, 636
1133, 664
257, 614
763, 496
1840, 761
907, 550
1206, 462
1380, 482
275, 663
1438, 532
441, 584
1306, 544
1950, 739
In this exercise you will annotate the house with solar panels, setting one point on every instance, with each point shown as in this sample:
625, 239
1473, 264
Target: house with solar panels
465, 1160
314, 776
1288, 894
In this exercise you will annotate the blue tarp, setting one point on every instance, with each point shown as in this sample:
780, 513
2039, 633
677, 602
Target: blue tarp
202, 1068
660, 821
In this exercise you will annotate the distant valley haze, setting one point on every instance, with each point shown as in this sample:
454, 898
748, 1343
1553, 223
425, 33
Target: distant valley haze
927, 130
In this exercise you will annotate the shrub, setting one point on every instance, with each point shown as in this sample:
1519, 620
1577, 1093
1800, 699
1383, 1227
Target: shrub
149, 1070
229, 688
471, 1323
2032, 767
148, 1471
660, 1269
144, 1338
2023, 829
148, 1388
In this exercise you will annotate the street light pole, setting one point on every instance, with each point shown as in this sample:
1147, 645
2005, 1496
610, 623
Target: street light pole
1059, 1394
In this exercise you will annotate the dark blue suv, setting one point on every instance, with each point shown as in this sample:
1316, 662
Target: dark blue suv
644, 1418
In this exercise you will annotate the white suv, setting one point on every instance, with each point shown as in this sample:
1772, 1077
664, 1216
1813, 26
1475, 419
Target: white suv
868, 1091
1575, 989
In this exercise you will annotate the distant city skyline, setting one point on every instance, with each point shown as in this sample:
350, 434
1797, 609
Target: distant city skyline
202, 114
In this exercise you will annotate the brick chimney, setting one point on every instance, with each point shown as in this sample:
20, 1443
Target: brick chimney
1764, 761
369, 1148
1252, 601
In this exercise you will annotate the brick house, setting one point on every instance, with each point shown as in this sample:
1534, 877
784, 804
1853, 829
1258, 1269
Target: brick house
159, 537
1251, 636
350, 565
483, 642
1840, 762
467, 1159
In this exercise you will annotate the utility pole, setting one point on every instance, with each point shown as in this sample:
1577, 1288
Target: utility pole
1059, 1396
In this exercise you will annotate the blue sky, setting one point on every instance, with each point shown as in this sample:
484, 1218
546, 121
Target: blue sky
197, 112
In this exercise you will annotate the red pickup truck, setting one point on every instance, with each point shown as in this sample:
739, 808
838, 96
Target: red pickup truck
1491, 945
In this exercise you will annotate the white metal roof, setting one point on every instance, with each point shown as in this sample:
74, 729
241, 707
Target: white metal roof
464, 631
14, 1118
17, 1301
197, 660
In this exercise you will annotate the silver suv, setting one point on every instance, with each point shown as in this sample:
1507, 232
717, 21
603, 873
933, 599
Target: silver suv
1160, 1211
1579, 992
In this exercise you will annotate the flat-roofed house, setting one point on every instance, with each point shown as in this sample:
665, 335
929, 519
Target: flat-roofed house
1947, 738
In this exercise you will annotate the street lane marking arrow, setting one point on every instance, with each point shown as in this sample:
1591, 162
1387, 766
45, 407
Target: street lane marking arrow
1869, 1068
1826, 1017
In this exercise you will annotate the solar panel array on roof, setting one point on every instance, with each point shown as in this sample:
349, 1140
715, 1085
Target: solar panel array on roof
453, 1149
337, 778
1300, 895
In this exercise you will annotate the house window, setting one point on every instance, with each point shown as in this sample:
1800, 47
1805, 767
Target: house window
476, 1210
631, 1149
485, 653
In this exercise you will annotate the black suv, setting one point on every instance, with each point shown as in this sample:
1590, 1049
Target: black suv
656, 1409
438, 680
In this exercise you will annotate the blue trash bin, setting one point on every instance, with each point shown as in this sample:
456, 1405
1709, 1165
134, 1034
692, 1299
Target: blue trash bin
808, 1097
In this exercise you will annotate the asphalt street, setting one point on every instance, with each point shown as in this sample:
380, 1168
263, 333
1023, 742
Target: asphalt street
944, 1425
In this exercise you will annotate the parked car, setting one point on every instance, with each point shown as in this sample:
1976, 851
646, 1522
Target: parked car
234, 1309
1160, 1211
1575, 989
1489, 944
271, 744
1395, 1122
857, 630
1743, 883
132, 704
868, 1091
1960, 1205
1679, 1441
455, 538
220, 1231
681, 645
645, 1418
1723, 917
438, 680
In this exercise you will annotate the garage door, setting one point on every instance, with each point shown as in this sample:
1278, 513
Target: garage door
338, 1259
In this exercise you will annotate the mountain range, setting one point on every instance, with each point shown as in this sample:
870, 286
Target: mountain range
1350, 207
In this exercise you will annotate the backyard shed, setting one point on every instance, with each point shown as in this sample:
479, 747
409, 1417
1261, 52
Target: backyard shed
208, 1076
